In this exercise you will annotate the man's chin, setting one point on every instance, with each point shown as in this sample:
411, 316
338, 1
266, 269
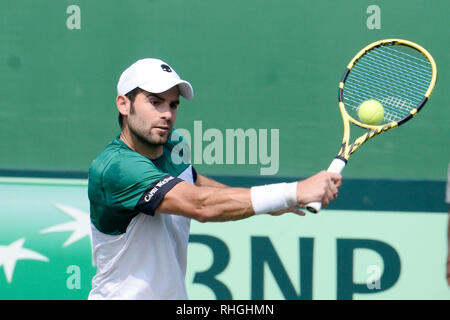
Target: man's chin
159, 139
153, 140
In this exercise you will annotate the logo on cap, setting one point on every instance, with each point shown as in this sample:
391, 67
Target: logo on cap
166, 68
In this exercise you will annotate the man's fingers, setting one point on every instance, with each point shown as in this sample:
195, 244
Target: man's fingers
334, 185
294, 209
336, 178
297, 211
334, 190
330, 193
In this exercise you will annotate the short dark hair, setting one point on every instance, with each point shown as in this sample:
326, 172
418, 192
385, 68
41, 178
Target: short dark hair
132, 96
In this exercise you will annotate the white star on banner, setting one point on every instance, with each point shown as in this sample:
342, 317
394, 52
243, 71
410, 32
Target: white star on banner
80, 226
10, 254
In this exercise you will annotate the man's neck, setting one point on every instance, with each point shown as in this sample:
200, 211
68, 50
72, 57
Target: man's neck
134, 143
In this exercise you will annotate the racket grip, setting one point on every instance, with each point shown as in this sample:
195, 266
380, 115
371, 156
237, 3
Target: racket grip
314, 207
336, 166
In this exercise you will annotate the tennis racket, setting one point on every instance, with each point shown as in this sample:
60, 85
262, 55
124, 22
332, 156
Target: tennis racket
397, 73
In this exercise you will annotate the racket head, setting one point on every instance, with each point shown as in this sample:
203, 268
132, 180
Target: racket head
398, 73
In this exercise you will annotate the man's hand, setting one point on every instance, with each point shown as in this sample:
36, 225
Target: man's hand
322, 187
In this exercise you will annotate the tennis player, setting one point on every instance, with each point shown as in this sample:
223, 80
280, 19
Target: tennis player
141, 202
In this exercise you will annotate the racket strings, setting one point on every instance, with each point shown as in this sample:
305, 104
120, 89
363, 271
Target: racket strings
412, 59
395, 75
385, 87
401, 79
395, 108
389, 63
382, 79
362, 72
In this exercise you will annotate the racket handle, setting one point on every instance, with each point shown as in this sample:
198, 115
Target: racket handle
336, 166
314, 207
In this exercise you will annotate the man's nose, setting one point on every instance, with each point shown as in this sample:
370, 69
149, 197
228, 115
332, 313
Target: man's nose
166, 113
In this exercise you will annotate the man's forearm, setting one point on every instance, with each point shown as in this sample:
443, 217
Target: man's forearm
226, 204
205, 203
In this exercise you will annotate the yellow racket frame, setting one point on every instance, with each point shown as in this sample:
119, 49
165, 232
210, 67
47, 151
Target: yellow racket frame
347, 150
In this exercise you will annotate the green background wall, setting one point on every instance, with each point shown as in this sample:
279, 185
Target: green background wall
253, 64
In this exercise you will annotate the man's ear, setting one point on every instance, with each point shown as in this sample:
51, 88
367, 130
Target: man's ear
123, 105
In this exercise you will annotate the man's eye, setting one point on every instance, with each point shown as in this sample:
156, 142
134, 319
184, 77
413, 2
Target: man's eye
154, 102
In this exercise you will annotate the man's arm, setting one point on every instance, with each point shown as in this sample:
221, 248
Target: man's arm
203, 181
206, 203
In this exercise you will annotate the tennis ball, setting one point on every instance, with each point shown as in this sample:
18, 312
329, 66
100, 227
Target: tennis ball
371, 112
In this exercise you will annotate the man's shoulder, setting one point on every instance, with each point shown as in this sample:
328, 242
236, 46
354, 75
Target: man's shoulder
112, 151
117, 160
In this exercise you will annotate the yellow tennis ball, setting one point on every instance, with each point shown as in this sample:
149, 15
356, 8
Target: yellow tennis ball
371, 112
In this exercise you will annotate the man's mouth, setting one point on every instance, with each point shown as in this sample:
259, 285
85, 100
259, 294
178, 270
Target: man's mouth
162, 128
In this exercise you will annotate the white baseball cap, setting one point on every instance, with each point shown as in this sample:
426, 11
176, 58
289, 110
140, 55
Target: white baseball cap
152, 75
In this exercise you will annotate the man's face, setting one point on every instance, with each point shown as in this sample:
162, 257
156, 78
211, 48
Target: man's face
152, 116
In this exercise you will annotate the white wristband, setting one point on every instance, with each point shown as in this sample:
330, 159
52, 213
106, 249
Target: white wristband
273, 197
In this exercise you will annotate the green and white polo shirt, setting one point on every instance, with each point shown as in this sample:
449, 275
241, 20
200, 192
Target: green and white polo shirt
139, 254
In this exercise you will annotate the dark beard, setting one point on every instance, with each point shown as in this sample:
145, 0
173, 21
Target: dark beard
144, 140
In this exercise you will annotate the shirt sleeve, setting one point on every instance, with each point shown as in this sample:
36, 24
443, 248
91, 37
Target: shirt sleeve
136, 184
